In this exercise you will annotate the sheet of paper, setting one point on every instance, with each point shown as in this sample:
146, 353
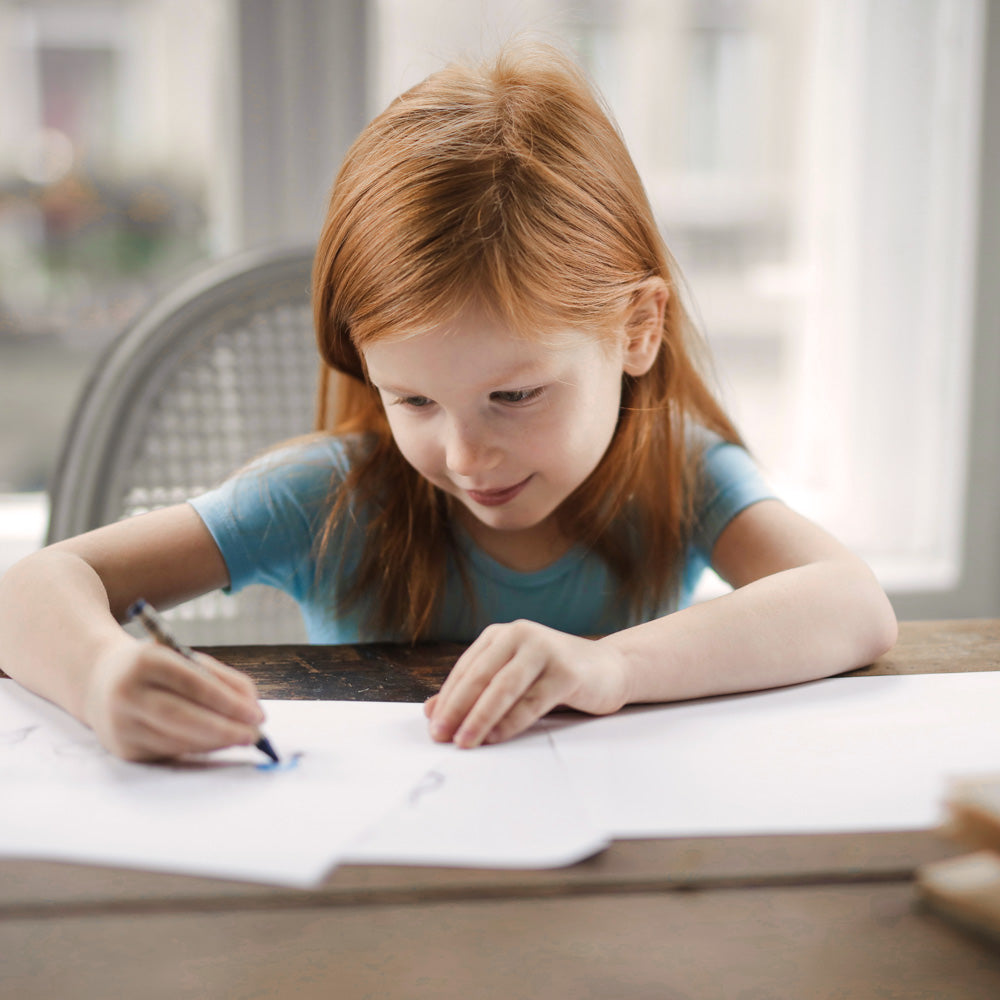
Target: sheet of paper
504, 806
846, 754
63, 797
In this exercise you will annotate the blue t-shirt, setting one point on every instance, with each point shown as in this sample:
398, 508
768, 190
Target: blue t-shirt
266, 521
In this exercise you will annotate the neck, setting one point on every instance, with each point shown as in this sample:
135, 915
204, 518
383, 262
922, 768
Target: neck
525, 551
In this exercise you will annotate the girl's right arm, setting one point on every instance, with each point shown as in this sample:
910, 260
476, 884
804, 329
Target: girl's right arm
60, 636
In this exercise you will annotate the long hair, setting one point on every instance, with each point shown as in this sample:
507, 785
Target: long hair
507, 185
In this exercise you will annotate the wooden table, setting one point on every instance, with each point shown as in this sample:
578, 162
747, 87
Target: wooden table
748, 918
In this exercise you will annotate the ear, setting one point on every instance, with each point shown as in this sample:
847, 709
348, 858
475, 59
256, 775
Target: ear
644, 326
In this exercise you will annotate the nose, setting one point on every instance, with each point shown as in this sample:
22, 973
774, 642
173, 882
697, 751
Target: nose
469, 451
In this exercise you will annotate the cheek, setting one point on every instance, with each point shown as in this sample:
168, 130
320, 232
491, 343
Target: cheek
416, 447
596, 417
575, 441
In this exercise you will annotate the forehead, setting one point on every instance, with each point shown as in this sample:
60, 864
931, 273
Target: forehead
474, 345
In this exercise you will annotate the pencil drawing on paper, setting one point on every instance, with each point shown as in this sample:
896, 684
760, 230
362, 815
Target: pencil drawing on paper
14, 736
430, 782
44, 740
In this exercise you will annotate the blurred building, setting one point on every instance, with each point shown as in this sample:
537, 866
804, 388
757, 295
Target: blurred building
107, 145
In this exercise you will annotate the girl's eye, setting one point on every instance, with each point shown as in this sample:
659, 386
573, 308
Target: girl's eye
517, 395
417, 402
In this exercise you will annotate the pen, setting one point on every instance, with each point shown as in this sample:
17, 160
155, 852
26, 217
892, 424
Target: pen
154, 625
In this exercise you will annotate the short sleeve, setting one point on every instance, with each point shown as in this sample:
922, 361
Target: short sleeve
266, 519
730, 482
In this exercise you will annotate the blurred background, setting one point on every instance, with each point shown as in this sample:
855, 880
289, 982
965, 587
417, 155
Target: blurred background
824, 171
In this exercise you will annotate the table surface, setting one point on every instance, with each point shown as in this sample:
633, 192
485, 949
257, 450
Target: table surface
744, 917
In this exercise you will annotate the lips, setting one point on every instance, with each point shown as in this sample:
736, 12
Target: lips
496, 498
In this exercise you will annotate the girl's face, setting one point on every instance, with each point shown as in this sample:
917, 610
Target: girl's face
507, 426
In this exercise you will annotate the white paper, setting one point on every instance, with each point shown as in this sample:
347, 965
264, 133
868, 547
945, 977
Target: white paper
504, 806
63, 797
846, 754
869, 753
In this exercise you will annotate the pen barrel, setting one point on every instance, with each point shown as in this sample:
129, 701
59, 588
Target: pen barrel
186, 651
158, 631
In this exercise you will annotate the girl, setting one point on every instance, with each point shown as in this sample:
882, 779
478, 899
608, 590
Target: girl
517, 451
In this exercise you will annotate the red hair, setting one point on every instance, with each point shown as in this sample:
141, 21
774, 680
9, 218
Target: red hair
507, 185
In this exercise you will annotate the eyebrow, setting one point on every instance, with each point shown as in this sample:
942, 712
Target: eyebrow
510, 377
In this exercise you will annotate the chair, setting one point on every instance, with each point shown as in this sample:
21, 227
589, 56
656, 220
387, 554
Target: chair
216, 371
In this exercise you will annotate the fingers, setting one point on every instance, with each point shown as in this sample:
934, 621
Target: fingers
503, 683
470, 676
515, 673
146, 702
493, 721
163, 725
536, 702
230, 692
174, 676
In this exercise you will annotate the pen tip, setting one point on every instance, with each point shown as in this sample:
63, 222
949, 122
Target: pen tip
135, 608
264, 745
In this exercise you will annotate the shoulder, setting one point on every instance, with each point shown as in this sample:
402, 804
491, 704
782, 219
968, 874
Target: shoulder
317, 454
306, 465
728, 481
267, 517
301, 475
722, 463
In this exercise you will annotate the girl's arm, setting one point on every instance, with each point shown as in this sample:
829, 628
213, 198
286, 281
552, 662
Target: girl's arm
804, 607
60, 637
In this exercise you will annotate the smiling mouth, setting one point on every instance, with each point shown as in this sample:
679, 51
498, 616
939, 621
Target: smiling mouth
495, 498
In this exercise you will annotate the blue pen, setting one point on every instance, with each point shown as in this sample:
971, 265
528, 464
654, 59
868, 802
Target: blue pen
154, 625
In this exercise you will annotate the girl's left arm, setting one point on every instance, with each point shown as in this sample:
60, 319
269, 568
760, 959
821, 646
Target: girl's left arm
803, 607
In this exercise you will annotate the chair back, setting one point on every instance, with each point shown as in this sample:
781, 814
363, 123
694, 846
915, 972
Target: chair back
216, 371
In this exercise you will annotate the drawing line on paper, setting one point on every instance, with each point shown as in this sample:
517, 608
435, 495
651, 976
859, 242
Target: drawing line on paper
59, 747
14, 736
430, 782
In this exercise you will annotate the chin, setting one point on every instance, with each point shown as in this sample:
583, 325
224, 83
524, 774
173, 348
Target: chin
502, 521
510, 520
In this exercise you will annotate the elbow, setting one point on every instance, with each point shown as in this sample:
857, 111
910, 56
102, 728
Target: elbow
861, 615
881, 629
885, 632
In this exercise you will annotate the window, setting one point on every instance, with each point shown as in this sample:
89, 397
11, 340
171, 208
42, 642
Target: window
812, 164
107, 140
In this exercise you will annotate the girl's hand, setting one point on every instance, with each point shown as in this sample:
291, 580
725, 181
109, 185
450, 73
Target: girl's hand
146, 702
515, 673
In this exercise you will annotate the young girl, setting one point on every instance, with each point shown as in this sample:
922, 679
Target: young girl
518, 452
